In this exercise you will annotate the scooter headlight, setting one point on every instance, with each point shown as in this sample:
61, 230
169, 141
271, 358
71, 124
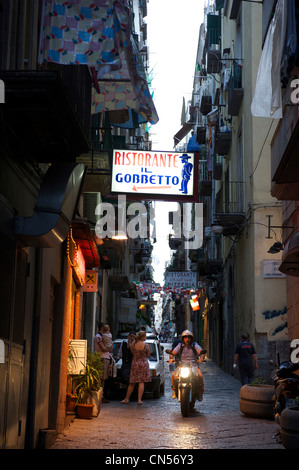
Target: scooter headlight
185, 372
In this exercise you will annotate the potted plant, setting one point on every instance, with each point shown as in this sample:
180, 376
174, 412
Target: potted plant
96, 362
257, 399
289, 423
71, 397
86, 383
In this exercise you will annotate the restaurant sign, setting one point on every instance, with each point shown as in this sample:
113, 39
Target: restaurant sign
183, 279
159, 175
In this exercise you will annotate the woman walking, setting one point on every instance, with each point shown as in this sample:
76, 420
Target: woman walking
140, 371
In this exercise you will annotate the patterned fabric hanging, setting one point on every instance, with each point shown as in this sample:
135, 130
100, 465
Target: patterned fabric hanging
85, 32
97, 34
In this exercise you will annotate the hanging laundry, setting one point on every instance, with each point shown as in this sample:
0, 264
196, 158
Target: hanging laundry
267, 100
85, 32
97, 34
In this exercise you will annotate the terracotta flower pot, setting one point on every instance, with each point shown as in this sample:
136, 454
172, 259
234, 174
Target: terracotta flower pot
84, 411
71, 401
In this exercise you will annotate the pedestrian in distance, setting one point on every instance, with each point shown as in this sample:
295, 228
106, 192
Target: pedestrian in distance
98, 337
126, 354
105, 353
246, 357
107, 337
140, 372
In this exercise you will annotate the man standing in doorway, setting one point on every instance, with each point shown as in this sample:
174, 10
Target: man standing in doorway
246, 357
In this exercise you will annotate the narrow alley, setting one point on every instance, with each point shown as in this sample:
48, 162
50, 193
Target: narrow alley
148, 182
158, 424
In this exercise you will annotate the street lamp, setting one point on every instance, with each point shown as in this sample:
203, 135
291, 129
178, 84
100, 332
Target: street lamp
119, 235
217, 228
276, 248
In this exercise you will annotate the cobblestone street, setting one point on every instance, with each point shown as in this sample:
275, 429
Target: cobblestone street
158, 424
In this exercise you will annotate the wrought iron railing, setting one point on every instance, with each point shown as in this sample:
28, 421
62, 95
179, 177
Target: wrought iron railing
230, 198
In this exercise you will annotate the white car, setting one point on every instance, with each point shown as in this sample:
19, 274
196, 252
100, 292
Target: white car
156, 364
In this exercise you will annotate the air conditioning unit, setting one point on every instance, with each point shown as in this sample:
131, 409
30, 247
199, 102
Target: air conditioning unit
77, 356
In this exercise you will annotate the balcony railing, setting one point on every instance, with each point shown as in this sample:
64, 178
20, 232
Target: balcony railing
213, 43
230, 198
235, 91
230, 207
223, 142
206, 104
205, 178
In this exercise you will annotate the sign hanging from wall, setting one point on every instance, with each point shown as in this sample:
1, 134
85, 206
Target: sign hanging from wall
187, 279
156, 175
91, 281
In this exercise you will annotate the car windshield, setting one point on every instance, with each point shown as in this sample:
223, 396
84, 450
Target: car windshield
153, 351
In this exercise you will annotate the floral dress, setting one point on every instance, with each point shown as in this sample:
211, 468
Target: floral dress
140, 371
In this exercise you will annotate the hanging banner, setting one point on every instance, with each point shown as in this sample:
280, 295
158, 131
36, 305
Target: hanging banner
159, 175
194, 303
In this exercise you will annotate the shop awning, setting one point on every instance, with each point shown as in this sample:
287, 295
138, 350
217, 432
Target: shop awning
97, 35
185, 129
84, 237
55, 207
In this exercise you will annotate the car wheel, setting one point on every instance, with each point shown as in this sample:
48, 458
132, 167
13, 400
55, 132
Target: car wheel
162, 388
156, 393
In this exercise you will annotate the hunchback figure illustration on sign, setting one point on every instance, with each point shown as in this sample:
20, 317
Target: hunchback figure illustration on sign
186, 173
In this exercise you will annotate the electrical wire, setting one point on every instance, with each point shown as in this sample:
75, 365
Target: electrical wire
259, 157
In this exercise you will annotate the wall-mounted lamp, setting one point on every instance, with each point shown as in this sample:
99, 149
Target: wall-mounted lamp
119, 235
217, 228
270, 227
276, 248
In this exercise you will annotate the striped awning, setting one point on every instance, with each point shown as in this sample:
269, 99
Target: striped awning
185, 129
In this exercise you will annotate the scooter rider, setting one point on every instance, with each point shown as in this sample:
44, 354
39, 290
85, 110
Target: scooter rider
187, 351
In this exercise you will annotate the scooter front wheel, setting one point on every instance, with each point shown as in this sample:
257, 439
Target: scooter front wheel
185, 402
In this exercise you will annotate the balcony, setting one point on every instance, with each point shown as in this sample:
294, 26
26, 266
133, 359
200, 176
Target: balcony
204, 178
213, 43
201, 133
223, 142
206, 104
119, 277
235, 91
211, 267
230, 212
213, 61
40, 118
98, 174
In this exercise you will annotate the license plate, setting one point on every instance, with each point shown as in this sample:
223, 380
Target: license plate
290, 402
